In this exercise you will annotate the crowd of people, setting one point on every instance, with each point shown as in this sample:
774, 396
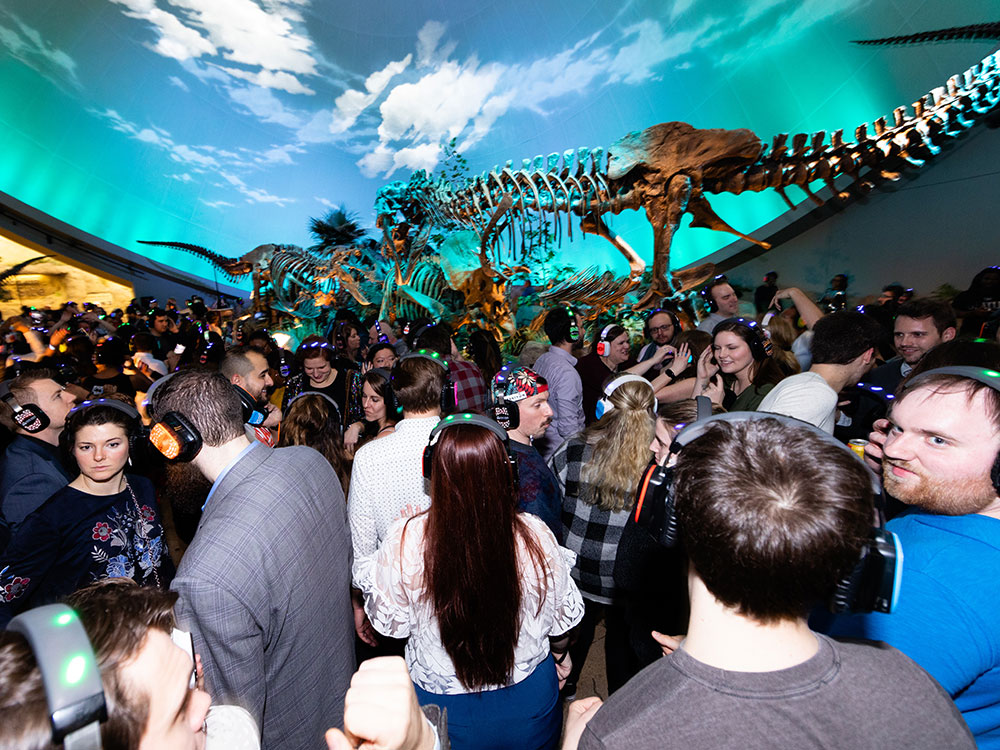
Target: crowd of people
393, 532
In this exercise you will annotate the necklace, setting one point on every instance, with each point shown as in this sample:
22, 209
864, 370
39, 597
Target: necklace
143, 535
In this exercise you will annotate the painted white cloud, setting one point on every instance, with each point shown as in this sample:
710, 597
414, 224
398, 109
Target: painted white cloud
440, 104
270, 79
26, 44
217, 204
649, 47
265, 39
428, 39
176, 40
465, 99
210, 159
254, 195
264, 105
352, 102
278, 155
175, 81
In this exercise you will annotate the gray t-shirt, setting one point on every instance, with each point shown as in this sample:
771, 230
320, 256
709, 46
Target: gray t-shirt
849, 696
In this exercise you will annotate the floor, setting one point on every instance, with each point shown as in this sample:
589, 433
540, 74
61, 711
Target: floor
594, 677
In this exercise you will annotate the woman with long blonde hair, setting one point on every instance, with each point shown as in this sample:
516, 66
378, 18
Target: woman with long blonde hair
597, 470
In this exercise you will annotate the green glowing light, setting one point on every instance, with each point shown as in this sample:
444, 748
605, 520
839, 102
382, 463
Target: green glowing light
75, 670
992, 373
64, 619
466, 416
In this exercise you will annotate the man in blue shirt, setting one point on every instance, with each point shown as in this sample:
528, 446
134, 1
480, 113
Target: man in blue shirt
940, 457
526, 392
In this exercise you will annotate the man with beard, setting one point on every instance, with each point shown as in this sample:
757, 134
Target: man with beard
940, 456
520, 403
564, 327
248, 371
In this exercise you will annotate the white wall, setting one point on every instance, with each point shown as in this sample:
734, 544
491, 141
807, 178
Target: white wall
942, 226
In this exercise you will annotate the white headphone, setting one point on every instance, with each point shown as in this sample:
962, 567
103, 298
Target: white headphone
605, 405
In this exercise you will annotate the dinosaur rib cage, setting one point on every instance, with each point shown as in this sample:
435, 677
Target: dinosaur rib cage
544, 190
939, 116
296, 281
427, 279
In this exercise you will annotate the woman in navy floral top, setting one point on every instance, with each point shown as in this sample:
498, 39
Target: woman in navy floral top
103, 524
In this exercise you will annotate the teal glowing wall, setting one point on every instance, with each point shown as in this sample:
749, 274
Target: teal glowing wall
220, 124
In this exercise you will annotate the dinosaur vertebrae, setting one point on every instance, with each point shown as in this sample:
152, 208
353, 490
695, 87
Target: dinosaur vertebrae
574, 182
912, 138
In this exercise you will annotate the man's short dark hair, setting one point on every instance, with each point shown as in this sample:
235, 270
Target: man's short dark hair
437, 338
928, 307
772, 515
842, 337
117, 615
206, 398
417, 383
157, 312
557, 324
143, 342
237, 362
19, 390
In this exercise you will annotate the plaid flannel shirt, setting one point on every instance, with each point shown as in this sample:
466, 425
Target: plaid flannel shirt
593, 534
470, 386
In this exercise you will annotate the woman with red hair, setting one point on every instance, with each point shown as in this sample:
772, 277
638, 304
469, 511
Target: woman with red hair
478, 589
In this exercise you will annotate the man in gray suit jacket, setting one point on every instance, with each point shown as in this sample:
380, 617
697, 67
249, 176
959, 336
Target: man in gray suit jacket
265, 585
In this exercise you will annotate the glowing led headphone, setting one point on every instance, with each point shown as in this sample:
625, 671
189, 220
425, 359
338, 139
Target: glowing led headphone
70, 674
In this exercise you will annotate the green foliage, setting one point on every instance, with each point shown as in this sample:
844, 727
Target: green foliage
454, 166
338, 227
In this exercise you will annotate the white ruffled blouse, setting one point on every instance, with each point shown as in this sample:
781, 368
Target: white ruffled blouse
397, 607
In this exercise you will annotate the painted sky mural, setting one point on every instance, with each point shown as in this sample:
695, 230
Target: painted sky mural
229, 123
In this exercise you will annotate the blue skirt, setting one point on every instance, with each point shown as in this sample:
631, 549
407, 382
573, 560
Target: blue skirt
526, 715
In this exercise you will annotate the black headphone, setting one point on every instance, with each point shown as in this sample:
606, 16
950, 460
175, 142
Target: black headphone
657, 311
339, 337
251, 414
760, 345
573, 332
70, 674
706, 292
388, 396
982, 375
505, 413
873, 583
471, 419
29, 417
449, 395
334, 413
174, 436
132, 433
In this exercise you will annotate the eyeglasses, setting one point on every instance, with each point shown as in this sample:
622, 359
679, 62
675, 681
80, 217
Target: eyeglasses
661, 329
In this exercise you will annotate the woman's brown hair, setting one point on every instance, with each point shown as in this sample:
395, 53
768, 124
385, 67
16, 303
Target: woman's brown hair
312, 420
472, 575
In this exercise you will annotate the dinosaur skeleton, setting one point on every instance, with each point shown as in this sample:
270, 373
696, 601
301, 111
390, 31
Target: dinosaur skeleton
9, 273
665, 170
299, 280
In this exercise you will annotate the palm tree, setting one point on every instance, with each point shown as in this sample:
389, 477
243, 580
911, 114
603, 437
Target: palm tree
338, 228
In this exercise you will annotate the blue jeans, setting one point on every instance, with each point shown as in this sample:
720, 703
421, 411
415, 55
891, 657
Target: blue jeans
526, 715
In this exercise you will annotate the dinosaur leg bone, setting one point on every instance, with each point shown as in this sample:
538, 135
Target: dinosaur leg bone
664, 213
592, 224
702, 215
